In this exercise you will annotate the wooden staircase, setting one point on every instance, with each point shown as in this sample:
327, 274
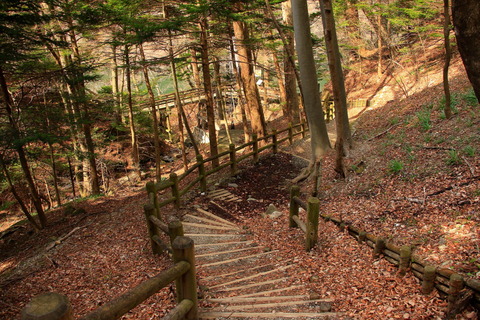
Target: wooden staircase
240, 279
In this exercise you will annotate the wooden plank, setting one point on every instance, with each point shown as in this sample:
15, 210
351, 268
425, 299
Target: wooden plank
211, 254
237, 272
211, 215
274, 304
269, 315
208, 220
199, 225
257, 299
232, 243
213, 235
252, 285
237, 259
250, 277
248, 295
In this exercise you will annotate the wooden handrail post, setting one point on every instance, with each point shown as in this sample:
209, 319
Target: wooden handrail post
274, 141
304, 129
175, 229
313, 211
152, 197
233, 159
149, 210
379, 247
294, 192
405, 257
456, 285
183, 250
50, 305
255, 147
290, 133
428, 282
175, 191
201, 172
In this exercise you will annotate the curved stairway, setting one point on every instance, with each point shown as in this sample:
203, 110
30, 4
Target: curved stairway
240, 279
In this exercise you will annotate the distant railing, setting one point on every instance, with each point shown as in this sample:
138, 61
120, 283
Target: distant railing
459, 292
54, 306
231, 157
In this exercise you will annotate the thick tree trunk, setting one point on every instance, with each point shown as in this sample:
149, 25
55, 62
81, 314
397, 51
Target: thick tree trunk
344, 135
289, 66
195, 69
240, 93
318, 130
7, 99
207, 86
151, 99
448, 55
466, 20
254, 106
133, 134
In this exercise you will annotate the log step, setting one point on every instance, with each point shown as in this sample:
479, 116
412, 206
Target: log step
237, 259
211, 215
209, 221
266, 315
261, 274
326, 304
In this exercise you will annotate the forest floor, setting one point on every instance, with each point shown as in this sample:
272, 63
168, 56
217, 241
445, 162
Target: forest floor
413, 178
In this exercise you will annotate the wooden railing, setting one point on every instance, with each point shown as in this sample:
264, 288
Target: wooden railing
313, 210
459, 292
54, 306
204, 168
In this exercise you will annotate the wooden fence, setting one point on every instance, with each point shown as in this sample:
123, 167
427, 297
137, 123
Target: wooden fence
204, 167
53, 306
459, 292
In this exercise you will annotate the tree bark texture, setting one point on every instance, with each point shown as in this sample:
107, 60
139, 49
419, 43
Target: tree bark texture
466, 20
448, 55
289, 66
207, 86
336, 73
252, 96
318, 130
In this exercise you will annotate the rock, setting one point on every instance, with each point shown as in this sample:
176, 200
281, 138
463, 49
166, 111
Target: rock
252, 199
233, 185
275, 215
314, 279
271, 209
325, 306
167, 159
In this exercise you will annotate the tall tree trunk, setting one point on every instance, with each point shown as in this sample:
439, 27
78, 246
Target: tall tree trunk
7, 99
254, 106
115, 86
336, 73
220, 98
133, 134
83, 109
240, 92
195, 69
448, 55
178, 103
207, 86
17, 197
289, 65
151, 99
54, 175
466, 20
318, 130
281, 87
